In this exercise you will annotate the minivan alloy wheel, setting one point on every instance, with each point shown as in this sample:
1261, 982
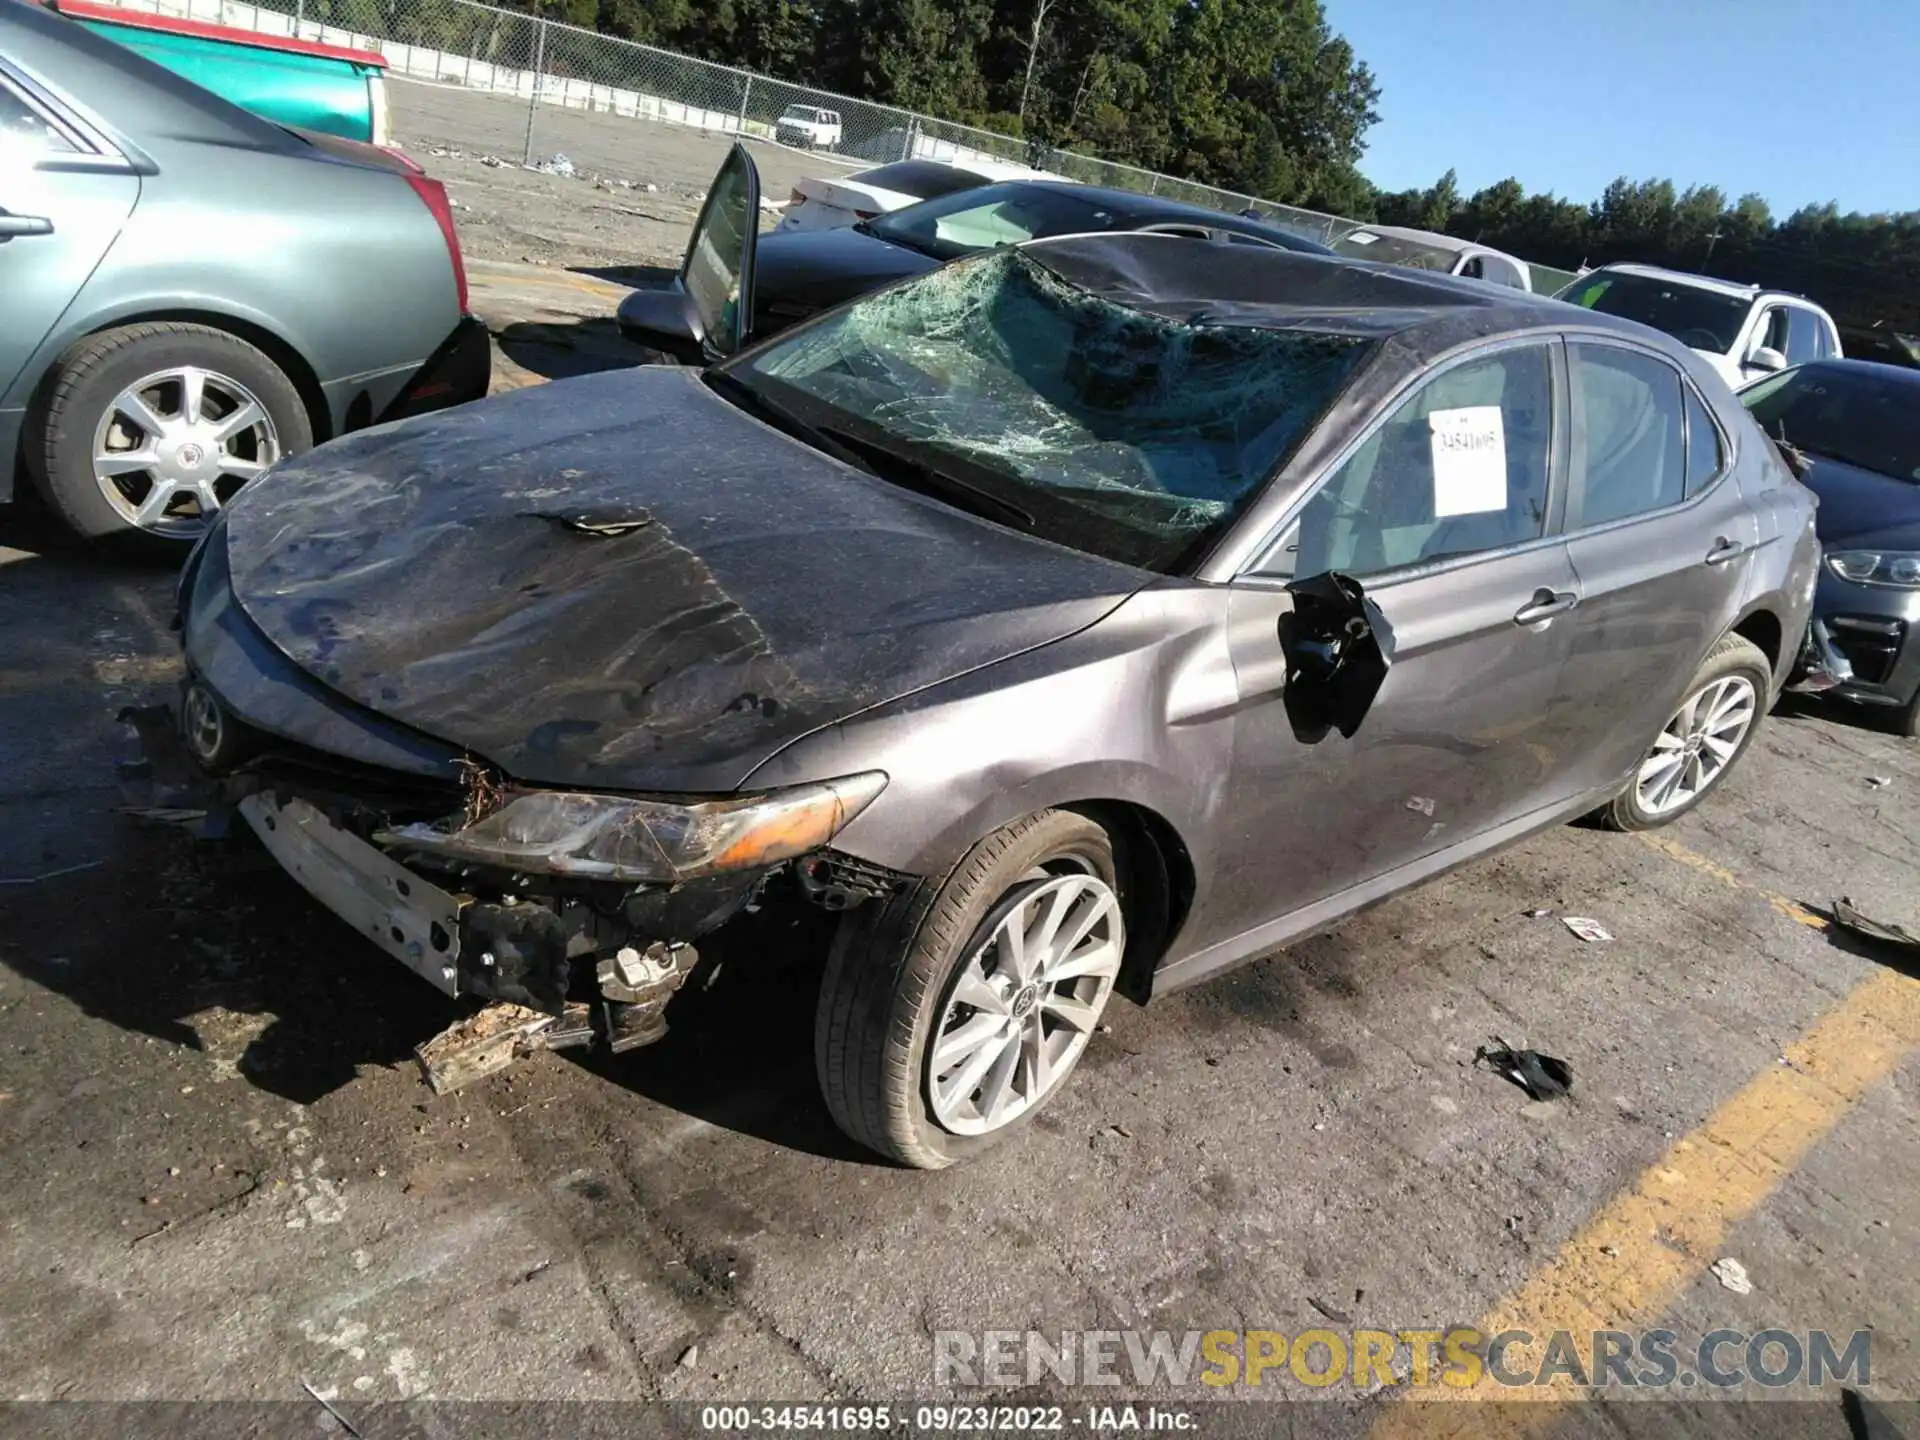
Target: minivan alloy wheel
173, 447
1697, 744
1025, 1003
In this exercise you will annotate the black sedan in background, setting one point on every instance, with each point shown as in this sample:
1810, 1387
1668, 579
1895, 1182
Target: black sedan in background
795, 274
1858, 424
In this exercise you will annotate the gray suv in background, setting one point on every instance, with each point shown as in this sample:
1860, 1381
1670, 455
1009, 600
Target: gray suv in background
189, 293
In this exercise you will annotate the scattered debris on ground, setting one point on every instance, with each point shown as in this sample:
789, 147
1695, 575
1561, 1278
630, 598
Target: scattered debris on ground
492, 1039
1878, 782
1542, 1076
1894, 937
1732, 1274
1591, 931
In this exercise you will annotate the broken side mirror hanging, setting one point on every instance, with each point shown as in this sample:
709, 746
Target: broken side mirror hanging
1335, 659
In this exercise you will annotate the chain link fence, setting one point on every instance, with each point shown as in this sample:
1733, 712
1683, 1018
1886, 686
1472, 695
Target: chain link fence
549, 64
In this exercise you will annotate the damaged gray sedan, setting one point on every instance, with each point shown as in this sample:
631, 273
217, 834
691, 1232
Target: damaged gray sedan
1081, 618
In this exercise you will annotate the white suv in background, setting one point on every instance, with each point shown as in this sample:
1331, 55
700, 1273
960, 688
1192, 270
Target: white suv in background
809, 127
1745, 331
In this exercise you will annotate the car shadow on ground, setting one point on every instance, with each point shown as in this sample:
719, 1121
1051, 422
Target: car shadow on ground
564, 350
639, 277
1875, 718
738, 1052
209, 947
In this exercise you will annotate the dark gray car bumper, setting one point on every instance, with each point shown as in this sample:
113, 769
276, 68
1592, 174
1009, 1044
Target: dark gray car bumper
1873, 627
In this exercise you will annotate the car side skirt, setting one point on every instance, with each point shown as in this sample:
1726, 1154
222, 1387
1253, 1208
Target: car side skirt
1325, 914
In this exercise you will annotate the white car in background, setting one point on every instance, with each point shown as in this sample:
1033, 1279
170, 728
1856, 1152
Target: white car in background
1428, 250
809, 127
829, 202
1744, 331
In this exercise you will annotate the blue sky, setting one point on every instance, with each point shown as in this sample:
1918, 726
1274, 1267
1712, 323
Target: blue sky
1804, 101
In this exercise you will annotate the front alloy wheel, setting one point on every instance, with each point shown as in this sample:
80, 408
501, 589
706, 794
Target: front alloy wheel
950, 1013
1024, 1004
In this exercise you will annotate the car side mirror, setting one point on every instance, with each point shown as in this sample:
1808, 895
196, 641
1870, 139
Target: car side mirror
664, 320
1337, 647
1765, 357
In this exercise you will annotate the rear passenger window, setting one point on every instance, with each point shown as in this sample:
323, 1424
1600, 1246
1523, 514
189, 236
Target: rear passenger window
1704, 457
1632, 458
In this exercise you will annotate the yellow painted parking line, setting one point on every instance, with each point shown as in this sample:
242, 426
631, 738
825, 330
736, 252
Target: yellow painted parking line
479, 275
1629, 1264
1674, 850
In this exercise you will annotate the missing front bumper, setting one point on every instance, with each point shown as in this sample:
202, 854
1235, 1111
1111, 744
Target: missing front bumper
414, 921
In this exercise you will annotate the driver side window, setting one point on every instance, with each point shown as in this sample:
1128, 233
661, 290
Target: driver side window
1458, 468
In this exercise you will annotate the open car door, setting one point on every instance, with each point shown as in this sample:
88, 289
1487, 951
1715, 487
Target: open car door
706, 314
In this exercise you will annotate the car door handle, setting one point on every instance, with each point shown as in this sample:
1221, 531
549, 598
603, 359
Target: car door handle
1544, 606
1724, 549
12, 225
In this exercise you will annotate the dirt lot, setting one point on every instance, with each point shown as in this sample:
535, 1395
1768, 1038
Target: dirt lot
222, 1177
603, 215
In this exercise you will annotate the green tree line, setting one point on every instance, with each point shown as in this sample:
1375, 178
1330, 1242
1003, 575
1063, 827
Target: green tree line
1865, 269
1254, 96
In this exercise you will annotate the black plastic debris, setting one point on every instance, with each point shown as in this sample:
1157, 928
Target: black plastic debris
1894, 937
1542, 1076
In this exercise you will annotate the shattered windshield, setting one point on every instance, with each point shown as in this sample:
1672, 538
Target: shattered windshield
1097, 426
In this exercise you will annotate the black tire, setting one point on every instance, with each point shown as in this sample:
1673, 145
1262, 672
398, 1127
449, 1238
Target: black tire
87, 379
889, 972
1906, 720
1734, 655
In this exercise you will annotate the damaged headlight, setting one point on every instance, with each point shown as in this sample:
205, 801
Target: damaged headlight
612, 837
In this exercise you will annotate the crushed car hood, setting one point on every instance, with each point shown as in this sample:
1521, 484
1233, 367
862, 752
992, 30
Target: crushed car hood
624, 582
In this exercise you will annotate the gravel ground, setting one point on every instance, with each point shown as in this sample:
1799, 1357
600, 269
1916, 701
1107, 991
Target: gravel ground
475, 143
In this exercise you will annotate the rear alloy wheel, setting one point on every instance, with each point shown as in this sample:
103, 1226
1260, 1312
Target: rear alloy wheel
1700, 743
152, 429
948, 1017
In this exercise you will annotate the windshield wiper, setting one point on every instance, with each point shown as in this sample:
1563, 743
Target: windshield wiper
931, 479
782, 418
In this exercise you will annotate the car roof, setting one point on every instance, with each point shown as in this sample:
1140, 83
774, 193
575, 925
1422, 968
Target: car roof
1698, 282
1424, 237
1135, 206
1287, 290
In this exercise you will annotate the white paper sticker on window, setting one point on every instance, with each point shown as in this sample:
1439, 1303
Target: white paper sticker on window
1360, 237
1469, 461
